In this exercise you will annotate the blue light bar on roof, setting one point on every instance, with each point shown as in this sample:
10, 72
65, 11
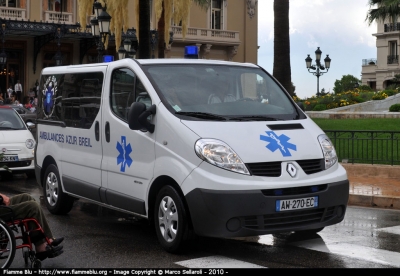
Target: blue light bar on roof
108, 58
191, 52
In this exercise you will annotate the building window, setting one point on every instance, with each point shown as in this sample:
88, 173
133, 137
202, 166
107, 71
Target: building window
57, 5
393, 57
10, 3
217, 15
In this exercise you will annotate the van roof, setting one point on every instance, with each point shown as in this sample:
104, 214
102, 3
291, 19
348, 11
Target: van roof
149, 61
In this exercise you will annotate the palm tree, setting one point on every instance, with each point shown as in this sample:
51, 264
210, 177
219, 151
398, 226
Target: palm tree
165, 12
385, 9
144, 29
282, 70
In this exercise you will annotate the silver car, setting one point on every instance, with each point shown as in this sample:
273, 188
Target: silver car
26, 114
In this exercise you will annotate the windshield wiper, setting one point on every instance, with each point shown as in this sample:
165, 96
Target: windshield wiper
203, 115
12, 128
253, 118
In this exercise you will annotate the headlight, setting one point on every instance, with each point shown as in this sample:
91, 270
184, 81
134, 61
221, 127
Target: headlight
220, 154
328, 151
30, 144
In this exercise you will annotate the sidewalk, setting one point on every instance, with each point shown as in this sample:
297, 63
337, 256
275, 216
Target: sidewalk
374, 185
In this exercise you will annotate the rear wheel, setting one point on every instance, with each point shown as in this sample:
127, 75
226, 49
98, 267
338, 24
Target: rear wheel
7, 245
171, 220
57, 201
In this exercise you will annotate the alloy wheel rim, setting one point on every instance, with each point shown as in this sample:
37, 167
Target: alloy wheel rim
168, 219
52, 189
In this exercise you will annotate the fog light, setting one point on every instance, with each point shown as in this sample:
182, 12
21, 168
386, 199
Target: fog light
233, 224
340, 211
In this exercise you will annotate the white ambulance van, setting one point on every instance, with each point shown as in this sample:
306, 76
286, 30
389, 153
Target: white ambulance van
198, 147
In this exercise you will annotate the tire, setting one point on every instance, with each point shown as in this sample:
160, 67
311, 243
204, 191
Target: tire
7, 245
57, 202
30, 174
171, 220
309, 232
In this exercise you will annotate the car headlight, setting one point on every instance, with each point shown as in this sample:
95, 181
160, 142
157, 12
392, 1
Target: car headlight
220, 154
328, 151
30, 143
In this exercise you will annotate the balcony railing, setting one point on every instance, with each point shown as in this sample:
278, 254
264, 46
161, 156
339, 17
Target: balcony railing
369, 61
393, 59
51, 16
13, 13
392, 27
207, 35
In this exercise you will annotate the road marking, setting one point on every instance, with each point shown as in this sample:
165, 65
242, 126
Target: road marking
392, 230
217, 262
352, 250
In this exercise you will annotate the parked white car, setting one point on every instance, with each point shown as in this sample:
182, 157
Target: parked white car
17, 143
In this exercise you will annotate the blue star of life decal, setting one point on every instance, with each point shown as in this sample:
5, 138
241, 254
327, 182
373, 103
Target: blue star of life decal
278, 142
124, 152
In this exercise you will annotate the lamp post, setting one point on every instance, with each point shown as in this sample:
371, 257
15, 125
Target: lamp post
318, 67
100, 27
3, 55
58, 56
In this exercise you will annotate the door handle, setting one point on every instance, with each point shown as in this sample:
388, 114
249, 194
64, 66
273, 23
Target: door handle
107, 132
97, 131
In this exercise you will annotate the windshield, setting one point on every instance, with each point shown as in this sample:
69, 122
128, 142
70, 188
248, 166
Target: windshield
221, 92
9, 120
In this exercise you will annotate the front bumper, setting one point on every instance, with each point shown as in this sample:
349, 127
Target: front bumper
251, 213
22, 165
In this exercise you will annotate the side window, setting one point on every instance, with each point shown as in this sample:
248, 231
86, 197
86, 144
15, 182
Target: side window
78, 99
126, 89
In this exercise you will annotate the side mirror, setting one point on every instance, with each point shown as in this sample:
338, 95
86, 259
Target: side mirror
137, 116
301, 105
30, 125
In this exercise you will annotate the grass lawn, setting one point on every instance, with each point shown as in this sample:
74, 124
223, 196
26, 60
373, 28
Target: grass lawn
359, 124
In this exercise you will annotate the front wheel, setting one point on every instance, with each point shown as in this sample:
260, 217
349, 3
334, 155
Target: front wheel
57, 201
309, 232
171, 220
7, 245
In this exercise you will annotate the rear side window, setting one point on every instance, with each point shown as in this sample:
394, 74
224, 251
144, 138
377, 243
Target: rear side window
72, 98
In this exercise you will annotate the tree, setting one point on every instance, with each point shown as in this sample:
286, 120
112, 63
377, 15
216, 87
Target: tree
345, 84
144, 29
385, 9
178, 10
282, 69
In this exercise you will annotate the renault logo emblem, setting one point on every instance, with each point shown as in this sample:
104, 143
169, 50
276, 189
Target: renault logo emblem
3, 149
291, 169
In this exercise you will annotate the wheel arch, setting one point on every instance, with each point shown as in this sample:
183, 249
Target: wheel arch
49, 160
156, 186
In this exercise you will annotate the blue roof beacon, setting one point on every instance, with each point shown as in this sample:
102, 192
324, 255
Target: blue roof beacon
191, 52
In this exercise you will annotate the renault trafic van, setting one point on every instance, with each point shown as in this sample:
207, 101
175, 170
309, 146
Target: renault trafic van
203, 147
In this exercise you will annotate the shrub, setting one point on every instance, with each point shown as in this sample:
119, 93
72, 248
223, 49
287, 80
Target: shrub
390, 92
381, 95
395, 108
364, 88
319, 107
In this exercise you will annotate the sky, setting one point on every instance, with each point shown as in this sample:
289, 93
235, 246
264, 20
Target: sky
338, 27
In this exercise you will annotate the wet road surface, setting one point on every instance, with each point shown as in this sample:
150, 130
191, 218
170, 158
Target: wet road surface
96, 237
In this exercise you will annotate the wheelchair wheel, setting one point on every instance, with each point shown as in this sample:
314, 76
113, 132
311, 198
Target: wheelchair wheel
7, 245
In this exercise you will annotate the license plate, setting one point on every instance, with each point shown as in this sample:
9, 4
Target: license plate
296, 204
9, 158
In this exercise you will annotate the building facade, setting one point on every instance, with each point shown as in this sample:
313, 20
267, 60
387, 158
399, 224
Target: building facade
378, 73
37, 33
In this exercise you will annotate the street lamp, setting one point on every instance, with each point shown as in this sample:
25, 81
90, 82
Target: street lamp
318, 67
100, 27
3, 55
58, 56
